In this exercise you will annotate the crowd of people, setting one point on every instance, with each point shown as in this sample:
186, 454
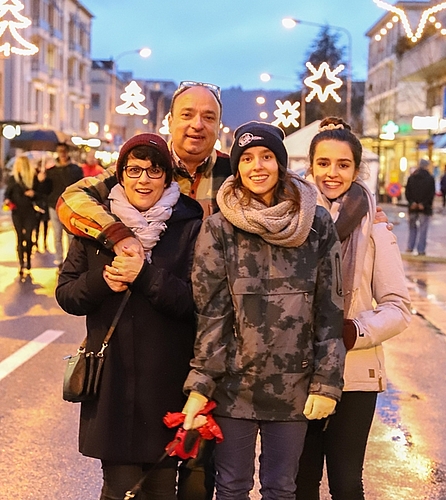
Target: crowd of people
251, 287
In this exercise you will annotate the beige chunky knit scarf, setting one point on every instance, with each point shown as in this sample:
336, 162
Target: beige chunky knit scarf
280, 224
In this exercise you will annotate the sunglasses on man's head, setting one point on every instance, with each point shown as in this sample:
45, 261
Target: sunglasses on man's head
184, 85
215, 89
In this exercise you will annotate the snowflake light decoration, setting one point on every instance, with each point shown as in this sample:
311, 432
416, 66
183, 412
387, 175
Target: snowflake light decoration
329, 90
286, 114
400, 15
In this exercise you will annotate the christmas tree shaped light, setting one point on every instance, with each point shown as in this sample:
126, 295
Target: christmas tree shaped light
132, 98
19, 22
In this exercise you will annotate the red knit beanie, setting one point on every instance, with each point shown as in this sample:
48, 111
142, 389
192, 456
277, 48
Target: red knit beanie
151, 140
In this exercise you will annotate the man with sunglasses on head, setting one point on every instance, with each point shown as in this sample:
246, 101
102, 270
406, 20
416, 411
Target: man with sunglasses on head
199, 169
194, 123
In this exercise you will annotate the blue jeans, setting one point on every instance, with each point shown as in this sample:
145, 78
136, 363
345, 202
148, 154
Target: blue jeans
281, 446
418, 226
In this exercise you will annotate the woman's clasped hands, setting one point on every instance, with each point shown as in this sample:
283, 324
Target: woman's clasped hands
123, 270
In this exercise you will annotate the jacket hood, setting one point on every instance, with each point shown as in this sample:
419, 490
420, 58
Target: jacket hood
186, 208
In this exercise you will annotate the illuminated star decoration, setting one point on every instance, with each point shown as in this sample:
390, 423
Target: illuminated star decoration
21, 22
330, 76
286, 114
132, 98
427, 14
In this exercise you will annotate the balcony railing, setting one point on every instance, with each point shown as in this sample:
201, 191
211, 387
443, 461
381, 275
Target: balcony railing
427, 58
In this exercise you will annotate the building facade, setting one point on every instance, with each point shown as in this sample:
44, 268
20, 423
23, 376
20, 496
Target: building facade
406, 84
51, 88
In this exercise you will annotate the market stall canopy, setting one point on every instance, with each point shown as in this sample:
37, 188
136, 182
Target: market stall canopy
298, 143
40, 140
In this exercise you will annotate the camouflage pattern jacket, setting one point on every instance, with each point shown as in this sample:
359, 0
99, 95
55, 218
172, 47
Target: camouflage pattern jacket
269, 320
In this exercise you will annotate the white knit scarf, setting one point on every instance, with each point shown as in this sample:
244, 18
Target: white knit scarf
279, 224
149, 225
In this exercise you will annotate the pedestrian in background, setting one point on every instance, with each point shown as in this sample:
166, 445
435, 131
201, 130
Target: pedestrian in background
199, 169
269, 344
61, 175
23, 192
91, 166
376, 308
420, 193
43, 214
443, 187
148, 356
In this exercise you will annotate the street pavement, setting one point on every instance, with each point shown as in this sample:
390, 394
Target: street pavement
419, 268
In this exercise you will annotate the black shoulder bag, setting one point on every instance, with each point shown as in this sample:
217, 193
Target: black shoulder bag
83, 371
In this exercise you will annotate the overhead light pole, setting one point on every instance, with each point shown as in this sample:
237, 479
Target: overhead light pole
290, 22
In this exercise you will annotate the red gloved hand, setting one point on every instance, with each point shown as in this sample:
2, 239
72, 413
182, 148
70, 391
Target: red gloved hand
186, 443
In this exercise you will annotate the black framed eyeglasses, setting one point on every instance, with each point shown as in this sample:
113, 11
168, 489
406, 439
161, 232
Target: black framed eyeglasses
135, 172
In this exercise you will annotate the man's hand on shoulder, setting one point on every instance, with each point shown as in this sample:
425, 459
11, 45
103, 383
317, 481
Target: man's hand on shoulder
128, 243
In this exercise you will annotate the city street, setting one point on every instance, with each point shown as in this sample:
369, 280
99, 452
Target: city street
406, 457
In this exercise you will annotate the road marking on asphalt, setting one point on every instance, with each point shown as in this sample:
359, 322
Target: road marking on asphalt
26, 352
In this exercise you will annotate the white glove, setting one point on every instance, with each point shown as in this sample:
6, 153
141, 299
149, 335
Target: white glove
318, 407
194, 404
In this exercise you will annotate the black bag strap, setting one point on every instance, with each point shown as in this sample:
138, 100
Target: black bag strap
112, 326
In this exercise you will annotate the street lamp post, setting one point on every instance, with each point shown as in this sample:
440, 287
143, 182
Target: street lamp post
289, 23
144, 52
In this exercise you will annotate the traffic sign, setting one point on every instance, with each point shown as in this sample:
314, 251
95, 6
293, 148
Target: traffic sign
393, 189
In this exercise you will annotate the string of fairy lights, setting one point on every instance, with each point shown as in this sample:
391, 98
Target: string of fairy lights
428, 15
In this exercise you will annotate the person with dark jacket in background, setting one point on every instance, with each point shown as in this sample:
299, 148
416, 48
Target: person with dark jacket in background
199, 169
420, 193
443, 187
148, 356
24, 189
63, 174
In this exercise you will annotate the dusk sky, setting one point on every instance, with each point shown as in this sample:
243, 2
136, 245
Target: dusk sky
227, 42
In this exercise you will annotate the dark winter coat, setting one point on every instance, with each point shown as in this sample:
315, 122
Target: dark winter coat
420, 189
148, 357
61, 177
24, 205
443, 184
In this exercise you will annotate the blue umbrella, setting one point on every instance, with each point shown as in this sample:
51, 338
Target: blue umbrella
40, 140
